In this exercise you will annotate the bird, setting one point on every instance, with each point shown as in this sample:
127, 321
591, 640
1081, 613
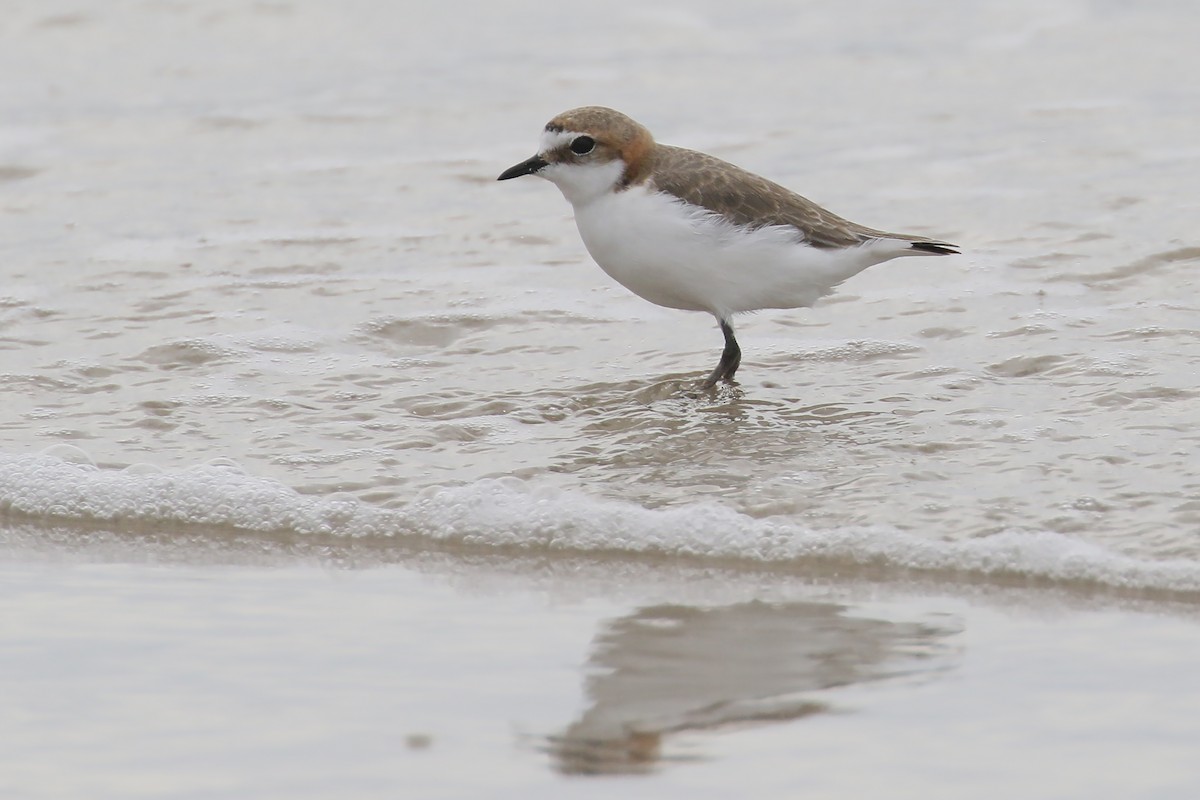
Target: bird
686, 230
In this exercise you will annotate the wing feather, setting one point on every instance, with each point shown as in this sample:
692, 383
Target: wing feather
751, 200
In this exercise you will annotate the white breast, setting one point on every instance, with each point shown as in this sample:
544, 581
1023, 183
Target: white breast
680, 256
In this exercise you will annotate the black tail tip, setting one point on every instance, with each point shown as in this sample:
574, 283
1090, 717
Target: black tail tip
937, 248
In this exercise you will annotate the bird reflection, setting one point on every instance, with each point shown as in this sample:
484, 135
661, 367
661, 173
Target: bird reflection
669, 669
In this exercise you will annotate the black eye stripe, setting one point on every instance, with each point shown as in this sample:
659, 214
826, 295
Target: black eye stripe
582, 145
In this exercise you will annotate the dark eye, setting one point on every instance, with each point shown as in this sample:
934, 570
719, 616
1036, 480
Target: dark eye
582, 145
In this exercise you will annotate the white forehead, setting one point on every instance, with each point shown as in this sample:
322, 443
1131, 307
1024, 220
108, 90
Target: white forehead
552, 140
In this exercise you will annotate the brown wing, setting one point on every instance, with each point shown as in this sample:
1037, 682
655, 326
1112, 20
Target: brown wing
748, 199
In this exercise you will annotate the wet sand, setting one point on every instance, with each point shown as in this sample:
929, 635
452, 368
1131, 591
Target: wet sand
450, 675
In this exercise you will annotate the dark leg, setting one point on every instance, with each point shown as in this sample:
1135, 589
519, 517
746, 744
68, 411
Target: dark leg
731, 358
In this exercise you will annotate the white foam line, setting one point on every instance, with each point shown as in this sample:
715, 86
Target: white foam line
509, 513
504, 513
214, 494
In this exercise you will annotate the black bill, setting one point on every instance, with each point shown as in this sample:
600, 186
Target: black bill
526, 167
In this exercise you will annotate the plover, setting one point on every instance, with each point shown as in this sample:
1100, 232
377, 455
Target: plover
687, 230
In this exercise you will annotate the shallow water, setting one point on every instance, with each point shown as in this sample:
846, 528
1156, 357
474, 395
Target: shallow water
263, 294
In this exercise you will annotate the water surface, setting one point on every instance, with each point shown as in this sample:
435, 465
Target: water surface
272, 338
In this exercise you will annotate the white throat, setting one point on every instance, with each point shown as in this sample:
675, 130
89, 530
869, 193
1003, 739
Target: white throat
582, 184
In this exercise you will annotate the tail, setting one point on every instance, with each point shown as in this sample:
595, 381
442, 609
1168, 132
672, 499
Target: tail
936, 248
887, 246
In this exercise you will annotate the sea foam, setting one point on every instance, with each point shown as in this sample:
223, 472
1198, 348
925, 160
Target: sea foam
514, 514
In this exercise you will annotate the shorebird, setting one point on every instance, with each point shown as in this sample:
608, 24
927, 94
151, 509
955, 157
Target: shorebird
686, 230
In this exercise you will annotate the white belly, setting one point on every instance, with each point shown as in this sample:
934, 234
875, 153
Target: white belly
679, 256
